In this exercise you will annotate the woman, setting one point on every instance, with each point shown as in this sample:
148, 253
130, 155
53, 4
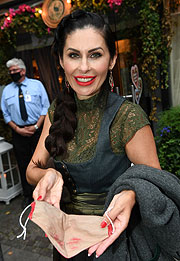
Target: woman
92, 134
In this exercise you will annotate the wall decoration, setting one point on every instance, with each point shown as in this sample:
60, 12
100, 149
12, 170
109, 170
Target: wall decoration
53, 11
137, 85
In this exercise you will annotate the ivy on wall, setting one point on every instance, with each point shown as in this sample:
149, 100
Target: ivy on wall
156, 38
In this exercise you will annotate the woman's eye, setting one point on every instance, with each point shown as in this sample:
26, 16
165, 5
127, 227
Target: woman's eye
73, 55
96, 55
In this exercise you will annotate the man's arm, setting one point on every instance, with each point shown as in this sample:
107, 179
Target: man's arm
37, 125
4, 108
45, 105
44, 100
40, 121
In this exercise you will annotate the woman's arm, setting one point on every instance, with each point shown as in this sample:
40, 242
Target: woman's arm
49, 181
34, 173
141, 149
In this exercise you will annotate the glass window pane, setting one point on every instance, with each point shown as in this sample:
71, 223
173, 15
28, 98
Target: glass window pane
12, 158
0, 180
15, 176
8, 179
5, 161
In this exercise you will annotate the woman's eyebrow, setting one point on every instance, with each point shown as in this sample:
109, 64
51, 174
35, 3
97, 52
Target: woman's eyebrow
72, 49
92, 50
95, 49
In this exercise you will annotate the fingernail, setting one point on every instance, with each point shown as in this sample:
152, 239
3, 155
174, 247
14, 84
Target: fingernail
46, 235
103, 224
39, 198
109, 230
89, 254
97, 256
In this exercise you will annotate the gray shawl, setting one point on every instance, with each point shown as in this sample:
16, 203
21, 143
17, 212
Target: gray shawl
153, 232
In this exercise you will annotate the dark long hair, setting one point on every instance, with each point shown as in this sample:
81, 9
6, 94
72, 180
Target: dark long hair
65, 121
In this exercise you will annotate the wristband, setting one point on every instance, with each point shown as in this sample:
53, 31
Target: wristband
36, 127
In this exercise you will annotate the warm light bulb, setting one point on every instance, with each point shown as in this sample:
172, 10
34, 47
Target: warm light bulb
40, 11
69, 1
8, 18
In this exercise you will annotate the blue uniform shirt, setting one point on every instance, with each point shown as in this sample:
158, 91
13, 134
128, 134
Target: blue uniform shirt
35, 97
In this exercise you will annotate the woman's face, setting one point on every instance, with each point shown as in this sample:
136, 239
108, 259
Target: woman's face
86, 61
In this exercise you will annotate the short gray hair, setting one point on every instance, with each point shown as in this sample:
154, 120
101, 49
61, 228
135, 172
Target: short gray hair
16, 62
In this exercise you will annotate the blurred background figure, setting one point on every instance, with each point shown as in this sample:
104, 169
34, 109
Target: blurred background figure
24, 105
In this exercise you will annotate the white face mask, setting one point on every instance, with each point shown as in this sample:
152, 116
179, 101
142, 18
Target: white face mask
70, 234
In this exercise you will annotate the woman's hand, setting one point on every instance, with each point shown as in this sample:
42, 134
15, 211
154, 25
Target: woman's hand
120, 211
49, 188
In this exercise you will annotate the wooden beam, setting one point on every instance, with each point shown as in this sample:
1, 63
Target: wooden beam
5, 1
166, 4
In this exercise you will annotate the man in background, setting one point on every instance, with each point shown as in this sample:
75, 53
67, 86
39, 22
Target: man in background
24, 104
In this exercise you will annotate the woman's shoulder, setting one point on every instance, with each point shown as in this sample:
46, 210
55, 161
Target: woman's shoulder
128, 120
130, 111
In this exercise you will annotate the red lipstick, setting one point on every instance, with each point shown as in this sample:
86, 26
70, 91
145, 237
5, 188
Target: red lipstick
84, 80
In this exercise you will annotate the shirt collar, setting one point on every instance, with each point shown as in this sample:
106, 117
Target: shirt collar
24, 83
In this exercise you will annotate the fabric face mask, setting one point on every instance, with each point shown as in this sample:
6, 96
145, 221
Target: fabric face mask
70, 234
16, 76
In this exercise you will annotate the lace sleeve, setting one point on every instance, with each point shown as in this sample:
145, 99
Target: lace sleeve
129, 119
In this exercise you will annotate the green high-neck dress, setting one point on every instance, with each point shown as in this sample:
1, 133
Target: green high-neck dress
129, 119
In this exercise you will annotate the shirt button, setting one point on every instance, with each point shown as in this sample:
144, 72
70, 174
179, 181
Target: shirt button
63, 166
75, 191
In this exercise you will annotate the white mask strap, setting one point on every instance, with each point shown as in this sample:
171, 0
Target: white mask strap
109, 209
25, 224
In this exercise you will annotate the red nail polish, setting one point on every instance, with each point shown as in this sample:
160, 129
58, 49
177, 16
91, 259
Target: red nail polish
32, 209
39, 198
109, 230
103, 224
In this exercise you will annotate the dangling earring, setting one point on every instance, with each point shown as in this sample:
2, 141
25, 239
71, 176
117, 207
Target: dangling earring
111, 81
67, 84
